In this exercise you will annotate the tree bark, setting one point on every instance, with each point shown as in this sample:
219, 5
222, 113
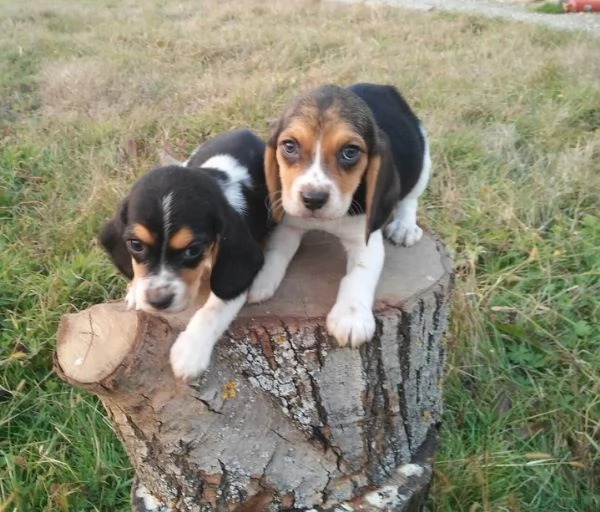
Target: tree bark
283, 419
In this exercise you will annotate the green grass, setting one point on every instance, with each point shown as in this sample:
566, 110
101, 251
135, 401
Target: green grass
89, 91
550, 8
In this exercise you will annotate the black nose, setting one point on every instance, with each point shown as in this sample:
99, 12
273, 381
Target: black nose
314, 199
159, 300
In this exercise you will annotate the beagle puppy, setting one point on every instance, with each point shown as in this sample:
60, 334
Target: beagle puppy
352, 162
178, 221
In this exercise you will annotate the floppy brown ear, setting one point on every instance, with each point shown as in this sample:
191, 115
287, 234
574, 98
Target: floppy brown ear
382, 185
111, 239
272, 177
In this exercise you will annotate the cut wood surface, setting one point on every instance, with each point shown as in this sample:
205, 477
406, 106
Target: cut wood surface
284, 419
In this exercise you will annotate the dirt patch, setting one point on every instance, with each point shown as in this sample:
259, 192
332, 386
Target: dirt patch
516, 10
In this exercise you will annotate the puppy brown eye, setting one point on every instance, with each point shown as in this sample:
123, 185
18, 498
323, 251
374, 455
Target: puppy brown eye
135, 246
192, 251
349, 155
290, 147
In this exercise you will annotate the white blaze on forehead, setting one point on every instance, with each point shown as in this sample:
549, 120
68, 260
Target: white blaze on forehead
315, 173
167, 209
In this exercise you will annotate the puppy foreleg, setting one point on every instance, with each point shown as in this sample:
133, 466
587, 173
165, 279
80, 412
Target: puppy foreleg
135, 294
190, 354
351, 319
281, 247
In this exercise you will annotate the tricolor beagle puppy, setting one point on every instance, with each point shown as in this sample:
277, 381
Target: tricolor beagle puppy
208, 213
351, 162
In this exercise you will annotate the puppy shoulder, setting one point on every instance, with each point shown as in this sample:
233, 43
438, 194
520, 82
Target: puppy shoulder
242, 144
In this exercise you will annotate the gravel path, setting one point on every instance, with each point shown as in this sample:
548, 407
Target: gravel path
516, 10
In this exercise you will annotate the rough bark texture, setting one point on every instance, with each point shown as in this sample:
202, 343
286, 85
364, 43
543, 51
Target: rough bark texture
284, 419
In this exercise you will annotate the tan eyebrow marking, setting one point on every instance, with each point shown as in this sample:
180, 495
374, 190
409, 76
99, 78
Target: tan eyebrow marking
181, 239
143, 234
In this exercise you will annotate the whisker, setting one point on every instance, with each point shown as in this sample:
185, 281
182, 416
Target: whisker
277, 196
355, 208
275, 204
278, 203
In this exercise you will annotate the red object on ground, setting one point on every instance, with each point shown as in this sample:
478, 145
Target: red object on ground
581, 5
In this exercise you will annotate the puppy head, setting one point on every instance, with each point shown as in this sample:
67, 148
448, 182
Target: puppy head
174, 225
319, 153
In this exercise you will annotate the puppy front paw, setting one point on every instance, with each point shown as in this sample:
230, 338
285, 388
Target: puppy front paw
190, 355
264, 287
403, 233
351, 322
131, 298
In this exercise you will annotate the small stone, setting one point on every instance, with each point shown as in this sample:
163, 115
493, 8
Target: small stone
409, 470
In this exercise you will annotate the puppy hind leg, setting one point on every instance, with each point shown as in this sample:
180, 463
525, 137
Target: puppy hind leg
402, 228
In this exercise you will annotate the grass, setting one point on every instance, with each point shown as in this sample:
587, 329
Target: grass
550, 8
89, 90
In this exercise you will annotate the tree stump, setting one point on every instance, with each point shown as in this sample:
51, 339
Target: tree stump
284, 419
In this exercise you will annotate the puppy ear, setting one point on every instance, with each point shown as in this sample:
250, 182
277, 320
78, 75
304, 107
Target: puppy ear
272, 177
239, 258
382, 185
111, 239
165, 158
